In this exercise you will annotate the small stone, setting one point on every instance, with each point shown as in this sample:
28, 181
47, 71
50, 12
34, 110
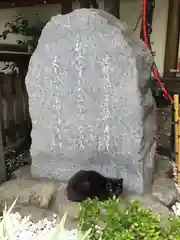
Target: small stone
47, 191
27, 192
40, 194
41, 225
177, 212
174, 208
165, 191
178, 205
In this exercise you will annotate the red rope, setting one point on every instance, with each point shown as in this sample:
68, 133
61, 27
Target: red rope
154, 69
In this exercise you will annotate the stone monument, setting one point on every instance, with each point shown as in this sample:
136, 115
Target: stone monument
90, 101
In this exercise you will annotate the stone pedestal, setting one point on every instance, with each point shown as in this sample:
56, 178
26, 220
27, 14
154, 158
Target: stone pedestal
90, 101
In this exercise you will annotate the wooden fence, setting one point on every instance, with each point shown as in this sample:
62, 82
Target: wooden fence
14, 112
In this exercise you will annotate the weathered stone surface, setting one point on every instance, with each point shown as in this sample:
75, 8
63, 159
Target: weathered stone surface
165, 191
163, 167
27, 192
90, 102
164, 120
23, 172
61, 204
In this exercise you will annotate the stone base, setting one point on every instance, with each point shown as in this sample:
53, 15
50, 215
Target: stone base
44, 166
41, 198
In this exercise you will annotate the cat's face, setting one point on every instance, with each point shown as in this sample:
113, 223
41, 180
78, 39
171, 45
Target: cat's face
114, 187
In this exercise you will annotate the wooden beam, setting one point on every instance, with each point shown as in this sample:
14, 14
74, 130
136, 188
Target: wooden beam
27, 3
13, 47
171, 84
172, 38
14, 53
6, 56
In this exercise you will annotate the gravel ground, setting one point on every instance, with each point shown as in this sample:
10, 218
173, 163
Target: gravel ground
176, 206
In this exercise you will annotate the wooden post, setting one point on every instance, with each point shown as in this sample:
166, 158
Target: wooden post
94, 4
178, 156
84, 3
66, 7
88, 4
2, 161
172, 38
176, 120
112, 7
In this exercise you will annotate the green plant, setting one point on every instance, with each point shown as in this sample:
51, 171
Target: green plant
6, 226
173, 230
21, 27
109, 220
117, 220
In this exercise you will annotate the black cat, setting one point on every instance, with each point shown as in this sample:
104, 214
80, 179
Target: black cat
90, 184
